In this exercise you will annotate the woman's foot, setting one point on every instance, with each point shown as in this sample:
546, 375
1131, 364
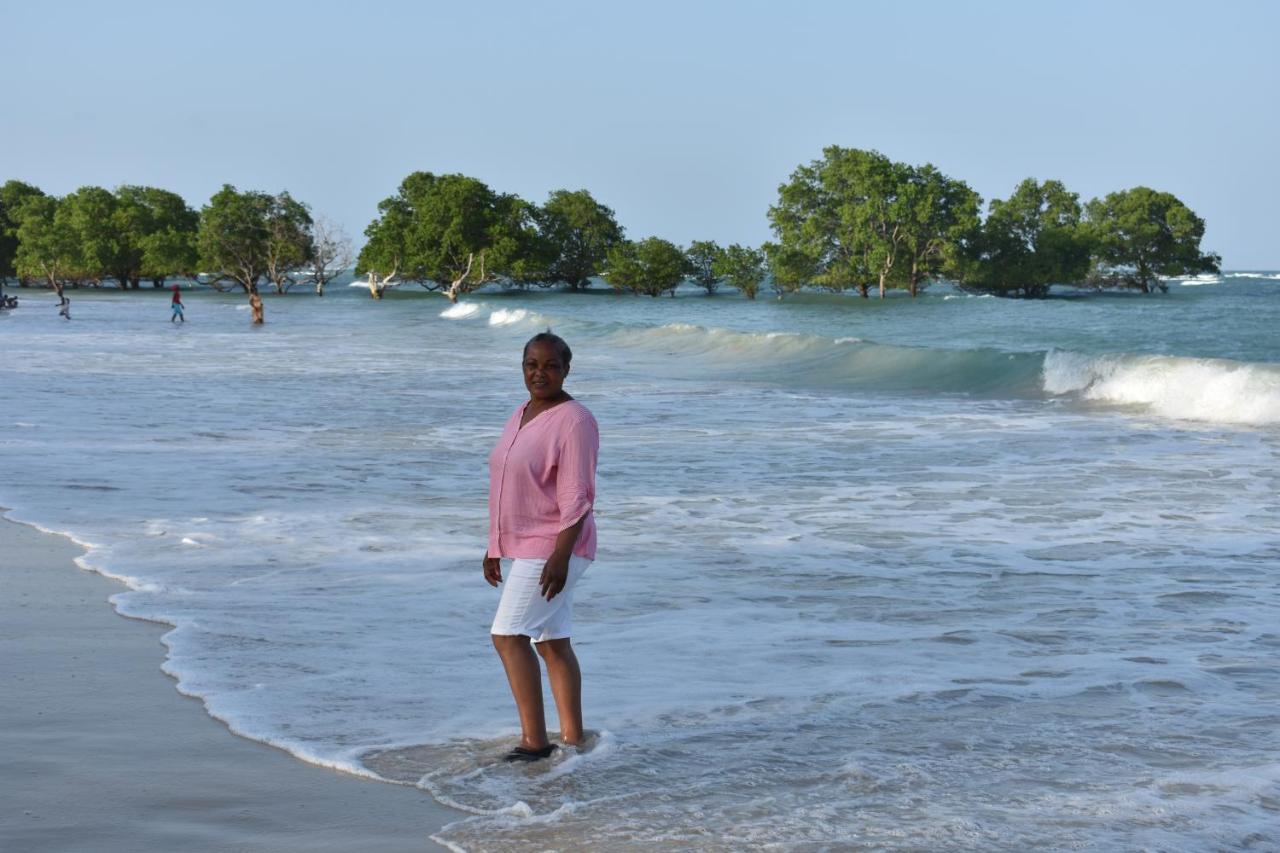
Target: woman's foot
522, 753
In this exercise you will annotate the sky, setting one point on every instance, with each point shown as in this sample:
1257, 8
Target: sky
684, 117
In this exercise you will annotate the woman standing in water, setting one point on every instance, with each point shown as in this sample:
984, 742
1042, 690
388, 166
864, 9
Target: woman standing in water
542, 484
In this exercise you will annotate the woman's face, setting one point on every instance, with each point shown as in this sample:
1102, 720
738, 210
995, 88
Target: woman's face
544, 371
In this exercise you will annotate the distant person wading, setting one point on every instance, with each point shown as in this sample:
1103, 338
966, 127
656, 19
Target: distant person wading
177, 306
542, 538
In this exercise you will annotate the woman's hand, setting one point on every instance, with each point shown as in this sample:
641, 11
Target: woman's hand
492, 570
555, 574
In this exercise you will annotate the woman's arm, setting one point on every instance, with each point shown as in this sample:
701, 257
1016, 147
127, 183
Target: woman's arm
575, 494
555, 572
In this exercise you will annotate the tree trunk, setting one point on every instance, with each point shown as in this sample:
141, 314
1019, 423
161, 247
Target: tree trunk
883, 275
376, 287
456, 285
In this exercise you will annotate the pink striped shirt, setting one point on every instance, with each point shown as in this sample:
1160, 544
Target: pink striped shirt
542, 479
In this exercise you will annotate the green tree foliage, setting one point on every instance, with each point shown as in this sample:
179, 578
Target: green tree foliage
520, 254
700, 259
452, 233
13, 194
131, 234
100, 250
159, 230
579, 232
290, 242
856, 217
233, 239
1140, 235
836, 221
47, 245
793, 267
742, 267
92, 235
1029, 242
652, 266
933, 214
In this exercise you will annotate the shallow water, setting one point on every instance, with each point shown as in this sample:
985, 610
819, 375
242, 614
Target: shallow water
957, 573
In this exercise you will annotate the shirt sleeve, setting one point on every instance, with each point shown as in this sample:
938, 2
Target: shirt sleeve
576, 471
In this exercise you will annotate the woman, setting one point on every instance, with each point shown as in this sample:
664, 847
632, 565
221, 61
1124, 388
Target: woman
542, 486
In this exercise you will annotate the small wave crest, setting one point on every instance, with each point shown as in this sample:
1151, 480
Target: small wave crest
506, 317
461, 310
1198, 389
498, 317
516, 316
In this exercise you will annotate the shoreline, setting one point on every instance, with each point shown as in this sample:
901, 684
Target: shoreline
139, 765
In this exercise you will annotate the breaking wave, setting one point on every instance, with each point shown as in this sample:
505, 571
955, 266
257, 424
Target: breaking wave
1212, 390
1208, 390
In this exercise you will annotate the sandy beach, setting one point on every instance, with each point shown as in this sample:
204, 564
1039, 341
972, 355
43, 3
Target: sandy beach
99, 752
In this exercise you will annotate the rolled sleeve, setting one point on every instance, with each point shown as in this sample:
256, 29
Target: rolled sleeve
576, 471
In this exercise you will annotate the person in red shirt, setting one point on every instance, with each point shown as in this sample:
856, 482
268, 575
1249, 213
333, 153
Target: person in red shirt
543, 533
176, 302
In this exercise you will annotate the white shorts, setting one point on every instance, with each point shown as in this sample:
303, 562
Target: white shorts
523, 610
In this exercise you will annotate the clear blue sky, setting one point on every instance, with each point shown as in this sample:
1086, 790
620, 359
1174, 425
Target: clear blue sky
683, 117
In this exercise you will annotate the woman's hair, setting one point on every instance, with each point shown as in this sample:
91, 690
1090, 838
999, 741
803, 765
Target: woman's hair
547, 337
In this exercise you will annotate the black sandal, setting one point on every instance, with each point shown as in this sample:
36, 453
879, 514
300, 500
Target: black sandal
521, 753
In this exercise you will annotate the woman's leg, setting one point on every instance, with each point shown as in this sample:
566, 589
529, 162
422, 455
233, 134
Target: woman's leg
566, 686
525, 677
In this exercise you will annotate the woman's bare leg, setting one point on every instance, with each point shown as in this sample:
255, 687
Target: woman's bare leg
525, 677
566, 686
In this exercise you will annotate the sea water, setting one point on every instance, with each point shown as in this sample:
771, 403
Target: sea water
952, 573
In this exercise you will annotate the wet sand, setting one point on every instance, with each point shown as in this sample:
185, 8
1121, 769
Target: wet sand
99, 752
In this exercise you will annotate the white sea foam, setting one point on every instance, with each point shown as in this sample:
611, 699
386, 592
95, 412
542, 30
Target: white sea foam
1209, 390
363, 284
507, 317
461, 310
1265, 275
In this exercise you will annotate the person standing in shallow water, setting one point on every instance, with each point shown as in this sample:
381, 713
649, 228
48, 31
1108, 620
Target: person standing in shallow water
177, 306
542, 535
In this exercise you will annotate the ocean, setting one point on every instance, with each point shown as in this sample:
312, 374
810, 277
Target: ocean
953, 573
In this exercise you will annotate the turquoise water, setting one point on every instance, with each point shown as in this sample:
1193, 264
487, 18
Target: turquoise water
953, 573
